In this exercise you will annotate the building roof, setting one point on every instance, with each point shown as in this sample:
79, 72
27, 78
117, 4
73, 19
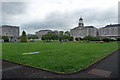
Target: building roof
84, 27
43, 30
89, 27
81, 18
113, 25
9, 26
75, 28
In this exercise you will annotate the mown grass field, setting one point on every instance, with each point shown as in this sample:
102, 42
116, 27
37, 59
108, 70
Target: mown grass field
63, 58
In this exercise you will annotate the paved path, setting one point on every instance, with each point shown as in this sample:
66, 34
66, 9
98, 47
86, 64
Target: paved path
109, 64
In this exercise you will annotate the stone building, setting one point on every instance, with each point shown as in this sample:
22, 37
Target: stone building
11, 31
43, 32
28, 35
110, 31
82, 31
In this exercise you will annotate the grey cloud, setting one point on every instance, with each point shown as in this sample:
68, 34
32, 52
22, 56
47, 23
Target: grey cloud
59, 20
54, 20
119, 12
99, 18
0, 13
13, 8
68, 20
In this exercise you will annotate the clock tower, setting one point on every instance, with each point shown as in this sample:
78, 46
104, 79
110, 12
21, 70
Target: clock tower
81, 24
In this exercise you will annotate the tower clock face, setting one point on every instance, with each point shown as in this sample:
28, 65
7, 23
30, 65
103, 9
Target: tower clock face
80, 21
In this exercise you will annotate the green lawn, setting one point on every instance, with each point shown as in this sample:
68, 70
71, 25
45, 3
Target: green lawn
64, 58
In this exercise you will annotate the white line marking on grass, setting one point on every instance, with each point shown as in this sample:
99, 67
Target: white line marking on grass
30, 53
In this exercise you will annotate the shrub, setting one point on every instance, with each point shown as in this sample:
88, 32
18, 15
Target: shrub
91, 38
71, 39
84, 41
96, 41
65, 40
118, 39
5, 38
88, 41
101, 41
23, 38
106, 39
76, 39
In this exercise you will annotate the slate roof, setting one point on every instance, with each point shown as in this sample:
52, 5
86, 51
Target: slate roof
113, 25
89, 27
44, 30
9, 26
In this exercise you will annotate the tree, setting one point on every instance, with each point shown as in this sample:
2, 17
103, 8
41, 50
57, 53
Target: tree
67, 33
61, 32
5, 38
23, 38
50, 36
64, 38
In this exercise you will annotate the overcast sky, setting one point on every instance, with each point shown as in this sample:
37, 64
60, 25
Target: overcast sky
36, 15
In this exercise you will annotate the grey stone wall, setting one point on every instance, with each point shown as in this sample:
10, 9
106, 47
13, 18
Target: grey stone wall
82, 32
42, 32
11, 31
110, 32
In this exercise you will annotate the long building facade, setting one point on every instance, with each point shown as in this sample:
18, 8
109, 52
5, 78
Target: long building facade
11, 31
110, 31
